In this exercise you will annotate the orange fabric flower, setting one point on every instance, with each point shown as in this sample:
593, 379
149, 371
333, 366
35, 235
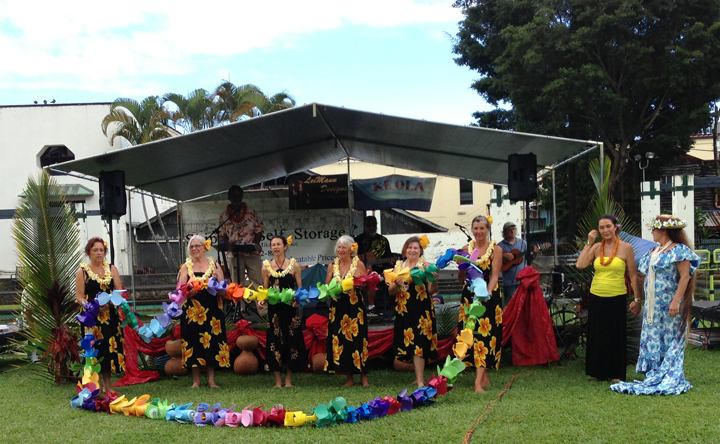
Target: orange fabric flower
331, 316
202, 362
365, 350
425, 325
353, 297
480, 352
200, 312
121, 361
361, 317
408, 336
349, 327
433, 343
498, 315
493, 344
418, 351
216, 326
462, 317
484, 327
104, 318
113, 344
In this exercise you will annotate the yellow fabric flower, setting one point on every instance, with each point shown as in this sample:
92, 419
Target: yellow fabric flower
497, 359
202, 362
121, 361
331, 316
425, 325
401, 299
113, 344
421, 292
200, 312
356, 359
480, 353
223, 357
112, 367
493, 344
186, 352
418, 351
349, 327
498, 315
462, 317
361, 317
216, 326
365, 350
408, 337
433, 343
484, 327
337, 349
205, 339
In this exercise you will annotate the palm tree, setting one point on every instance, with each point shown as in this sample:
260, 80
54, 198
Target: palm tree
195, 112
141, 123
48, 249
233, 101
137, 122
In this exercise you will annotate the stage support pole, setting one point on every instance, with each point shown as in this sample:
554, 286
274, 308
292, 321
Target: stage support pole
602, 163
555, 222
350, 223
132, 248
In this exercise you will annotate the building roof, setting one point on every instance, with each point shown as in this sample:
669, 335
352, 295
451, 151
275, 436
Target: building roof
286, 142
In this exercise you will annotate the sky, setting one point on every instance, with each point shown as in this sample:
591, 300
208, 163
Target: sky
388, 56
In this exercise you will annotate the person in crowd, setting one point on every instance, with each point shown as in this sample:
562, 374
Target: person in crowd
606, 330
93, 278
374, 251
242, 225
487, 335
669, 283
415, 336
202, 324
514, 250
285, 342
347, 339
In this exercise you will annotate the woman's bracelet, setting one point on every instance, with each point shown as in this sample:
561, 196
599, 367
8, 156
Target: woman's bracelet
639, 301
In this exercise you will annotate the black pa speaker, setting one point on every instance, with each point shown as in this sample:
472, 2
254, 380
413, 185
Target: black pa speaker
522, 177
113, 200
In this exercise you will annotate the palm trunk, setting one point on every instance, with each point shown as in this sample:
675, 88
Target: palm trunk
152, 232
162, 227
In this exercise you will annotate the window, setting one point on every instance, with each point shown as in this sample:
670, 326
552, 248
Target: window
52, 154
466, 192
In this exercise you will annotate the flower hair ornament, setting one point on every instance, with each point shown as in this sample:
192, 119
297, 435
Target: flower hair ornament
105, 244
289, 240
424, 241
667, 222
354, 247
208, 244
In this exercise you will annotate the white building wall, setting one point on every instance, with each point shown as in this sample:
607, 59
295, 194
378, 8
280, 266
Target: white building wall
24, 131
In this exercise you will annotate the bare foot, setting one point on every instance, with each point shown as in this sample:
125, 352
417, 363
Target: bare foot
287, 384
196, 386
478, 388
615, 381
213, 386
364, 381
278, 385
348, 384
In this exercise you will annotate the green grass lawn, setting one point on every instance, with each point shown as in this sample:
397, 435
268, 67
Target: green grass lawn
546, 404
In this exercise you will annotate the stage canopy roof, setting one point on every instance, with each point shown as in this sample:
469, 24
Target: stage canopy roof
286, 142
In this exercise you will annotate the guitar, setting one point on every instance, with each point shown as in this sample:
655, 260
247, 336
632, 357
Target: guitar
519, 256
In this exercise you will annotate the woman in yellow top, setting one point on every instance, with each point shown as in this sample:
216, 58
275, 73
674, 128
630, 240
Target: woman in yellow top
612, 258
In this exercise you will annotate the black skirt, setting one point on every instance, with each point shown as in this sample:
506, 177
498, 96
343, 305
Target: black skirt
606, 337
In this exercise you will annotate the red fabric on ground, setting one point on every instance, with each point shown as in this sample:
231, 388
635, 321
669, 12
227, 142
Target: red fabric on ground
527, 321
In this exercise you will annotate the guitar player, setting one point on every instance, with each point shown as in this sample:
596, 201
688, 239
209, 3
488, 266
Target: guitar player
514, 250
374, 251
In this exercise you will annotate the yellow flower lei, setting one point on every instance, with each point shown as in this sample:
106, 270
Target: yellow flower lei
420, 263
350, 273
106, 271
485, 257
205, 277
274, 273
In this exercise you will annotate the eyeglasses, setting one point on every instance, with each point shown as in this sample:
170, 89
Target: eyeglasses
195, 246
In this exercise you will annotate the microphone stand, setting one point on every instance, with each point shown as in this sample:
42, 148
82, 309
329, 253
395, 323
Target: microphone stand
464, 231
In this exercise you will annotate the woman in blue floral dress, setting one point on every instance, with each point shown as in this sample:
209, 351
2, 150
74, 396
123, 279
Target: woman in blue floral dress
669, 285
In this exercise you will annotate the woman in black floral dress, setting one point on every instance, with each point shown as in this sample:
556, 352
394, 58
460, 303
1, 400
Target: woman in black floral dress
91, 279
347, 339
202, 325
487, 334
285, 342
415, 337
